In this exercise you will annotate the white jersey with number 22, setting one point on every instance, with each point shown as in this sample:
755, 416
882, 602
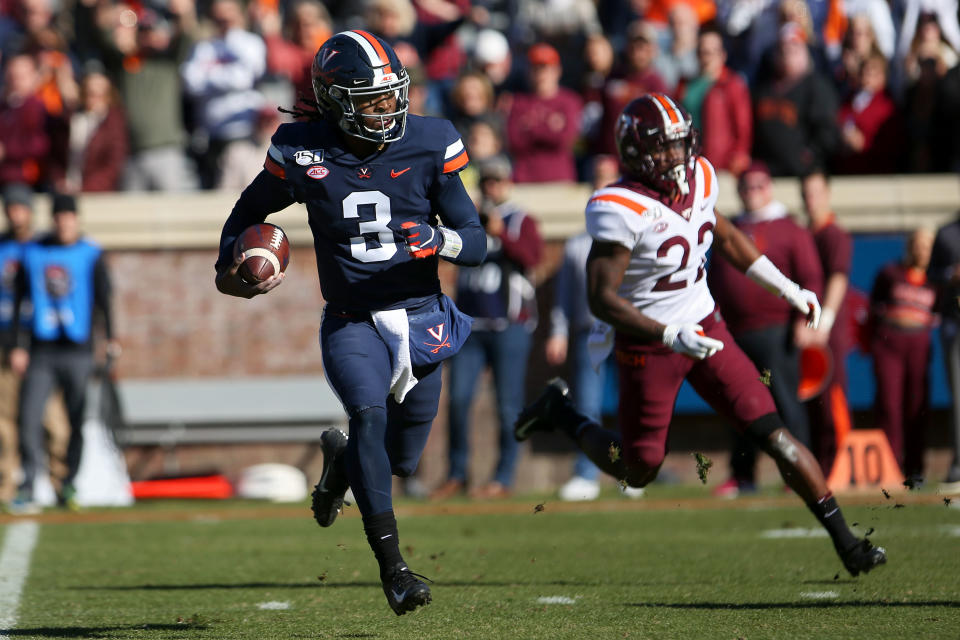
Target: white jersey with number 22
666, 278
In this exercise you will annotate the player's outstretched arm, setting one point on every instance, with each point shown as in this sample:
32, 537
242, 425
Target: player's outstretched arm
265, 195
740, 251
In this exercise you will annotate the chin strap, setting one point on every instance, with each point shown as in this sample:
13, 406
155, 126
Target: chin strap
679, 175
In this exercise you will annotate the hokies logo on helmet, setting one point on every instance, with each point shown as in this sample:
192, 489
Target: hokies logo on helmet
318, 173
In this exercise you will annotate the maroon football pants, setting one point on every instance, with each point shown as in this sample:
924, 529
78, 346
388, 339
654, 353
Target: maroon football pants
650, 378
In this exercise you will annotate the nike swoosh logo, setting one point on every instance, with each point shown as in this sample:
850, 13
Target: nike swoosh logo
396, 174
398, 597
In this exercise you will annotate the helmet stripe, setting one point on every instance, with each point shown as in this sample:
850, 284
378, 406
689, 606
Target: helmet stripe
379, 53
669, 109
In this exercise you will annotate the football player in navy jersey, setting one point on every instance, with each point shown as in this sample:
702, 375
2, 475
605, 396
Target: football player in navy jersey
385, 202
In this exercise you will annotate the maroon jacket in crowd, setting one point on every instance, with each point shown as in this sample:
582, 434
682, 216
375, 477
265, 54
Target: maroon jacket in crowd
879, 123
106, 153
541, 134
25, 141
727, 116
745, 305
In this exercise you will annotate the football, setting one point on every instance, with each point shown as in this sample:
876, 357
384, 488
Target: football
266, 252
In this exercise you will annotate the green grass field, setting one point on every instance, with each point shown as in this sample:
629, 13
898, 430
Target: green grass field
674, 565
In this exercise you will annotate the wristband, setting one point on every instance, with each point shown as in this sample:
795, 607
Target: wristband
766, 274
452, 243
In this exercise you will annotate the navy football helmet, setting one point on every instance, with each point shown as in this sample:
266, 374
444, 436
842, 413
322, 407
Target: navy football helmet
645, 126
349, 69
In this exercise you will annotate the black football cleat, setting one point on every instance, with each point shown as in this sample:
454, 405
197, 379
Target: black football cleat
405, 590
863, 557
328, 494
542, 413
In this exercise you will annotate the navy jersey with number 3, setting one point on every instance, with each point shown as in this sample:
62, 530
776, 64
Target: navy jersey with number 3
356, 207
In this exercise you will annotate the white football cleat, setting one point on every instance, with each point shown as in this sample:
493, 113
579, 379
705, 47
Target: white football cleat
578, 489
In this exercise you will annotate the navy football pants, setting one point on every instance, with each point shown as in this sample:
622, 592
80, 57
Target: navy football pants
386, 438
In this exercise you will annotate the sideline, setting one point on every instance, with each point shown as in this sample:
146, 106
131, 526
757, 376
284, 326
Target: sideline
256, 510
15, 556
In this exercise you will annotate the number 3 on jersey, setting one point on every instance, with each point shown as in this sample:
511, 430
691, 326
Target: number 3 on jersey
377, 226
665, 283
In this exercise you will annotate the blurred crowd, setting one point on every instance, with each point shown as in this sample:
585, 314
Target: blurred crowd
102, 95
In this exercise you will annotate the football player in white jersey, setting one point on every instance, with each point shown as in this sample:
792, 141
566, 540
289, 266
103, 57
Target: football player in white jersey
646, 279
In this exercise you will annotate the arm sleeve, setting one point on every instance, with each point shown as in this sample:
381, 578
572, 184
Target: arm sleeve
457, 212
102, 293
265, 195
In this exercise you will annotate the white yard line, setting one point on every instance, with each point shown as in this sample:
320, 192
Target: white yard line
15, 555
795, 532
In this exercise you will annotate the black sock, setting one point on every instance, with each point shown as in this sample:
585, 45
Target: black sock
572, 422
381, 530
830, 516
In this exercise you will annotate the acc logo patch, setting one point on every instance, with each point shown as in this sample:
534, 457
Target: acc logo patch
660, 227
318, 173
305, 157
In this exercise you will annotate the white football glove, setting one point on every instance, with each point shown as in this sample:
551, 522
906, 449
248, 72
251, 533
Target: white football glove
804, 301
689, 340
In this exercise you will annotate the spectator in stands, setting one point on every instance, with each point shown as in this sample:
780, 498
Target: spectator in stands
500, 297
762, 325
484, 140
492, 57
634, 76
290, 49
65, 277
24, 140
143, 52
939, 20
598, 59
431, 31
219, 78
828, 413
564, 25
97, 145
859, 43
471, 100
242, 161
944, 273
543, 125
794, 111
678, 60
925, 65
948, 106
901, 315
719, 101
27, 19
869, 124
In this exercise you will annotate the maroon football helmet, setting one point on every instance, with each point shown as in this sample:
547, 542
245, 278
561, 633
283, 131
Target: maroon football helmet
645, 126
